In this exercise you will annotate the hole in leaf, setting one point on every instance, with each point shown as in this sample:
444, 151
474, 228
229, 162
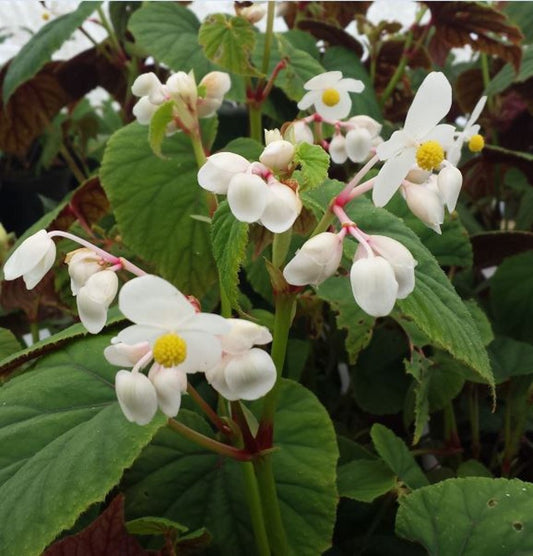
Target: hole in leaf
492, 503
518, 526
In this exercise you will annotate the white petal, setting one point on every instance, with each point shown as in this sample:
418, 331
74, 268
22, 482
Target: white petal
206, 322
169, 385
443, 133
337, 112
282, 208
203, 351
426, 205
453, 154
250, 375
216, 376
82, 264
351, 85
94, 298
449, 181
323, 80
145, 84
368, 123
243, 335
391, 175
397, 142
337, 149
299, 132
432, 102
217, 172
152, 301
138, 333
247, 197
37, 273
144, 110
374, 286
309, 99
216, 83
478, 108
358, 144
136, 396
124, 355
277, 155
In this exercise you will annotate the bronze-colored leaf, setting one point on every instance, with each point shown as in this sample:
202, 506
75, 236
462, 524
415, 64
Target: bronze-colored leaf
468, 89
335, 13
491, 248
331, 34
482, 27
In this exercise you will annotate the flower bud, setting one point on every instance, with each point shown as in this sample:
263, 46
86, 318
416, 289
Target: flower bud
247, 197
137, 396
317, 260
243, 335
143, 110
125, 355
337, 149
216, 174
94, 298
282, 208
183, 85
366, 122
358, 144
169, 383
449, 181
146, 84
277, 155
216, 83
374, 285
299, 132
82, 264
417, 175
425, 204
253, 13
272, 135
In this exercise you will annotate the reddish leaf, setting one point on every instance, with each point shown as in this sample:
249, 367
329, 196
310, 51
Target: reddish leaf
331, 34
106, 536
470, 23
469, 89
336, 13
491, 248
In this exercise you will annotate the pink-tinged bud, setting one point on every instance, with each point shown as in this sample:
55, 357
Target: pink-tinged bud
183, 85
82, 264
299, 132
144, 110
216, 83
337, 149
277, 155
449, 181
417, 175
374, 285
94, 298
358, 144
425, 204
317, 260
253, 13
147, 84
219, 169
398, 256
137, 396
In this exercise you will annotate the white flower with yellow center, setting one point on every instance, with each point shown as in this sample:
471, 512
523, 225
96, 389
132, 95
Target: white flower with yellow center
469, 134
329, 93
421, 141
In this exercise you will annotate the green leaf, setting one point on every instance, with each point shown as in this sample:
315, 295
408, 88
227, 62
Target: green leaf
481, 321
510, 358
154, 201
350, 317
39, 49
65, 443
511, 296
365, 480
158, 126
177, 480
419, 368
9, 344
229, 238
396, 455
314, 163
507, 75
249, 148
469, 517
473, 468
154, 526
447, 378
229, 42
520, 14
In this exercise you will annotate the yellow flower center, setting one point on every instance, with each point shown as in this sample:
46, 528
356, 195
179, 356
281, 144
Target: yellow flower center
330, 97
170, 350
45, 16
476, 143
429, 155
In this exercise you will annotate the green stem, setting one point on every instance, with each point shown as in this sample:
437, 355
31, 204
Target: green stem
198, 147
325, 222
268, 35
71, 163
209, 443
256, 122
253, 499
209, 411
485, 72
110, 31
34, 331
280, 247
450, 427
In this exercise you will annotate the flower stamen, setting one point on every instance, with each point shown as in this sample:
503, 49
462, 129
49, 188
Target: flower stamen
170, 350
429, 155
476, 143
330, 97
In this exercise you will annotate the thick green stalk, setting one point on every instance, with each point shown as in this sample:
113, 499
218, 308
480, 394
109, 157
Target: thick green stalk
268, 35
198, 147
253, 499
256, 122
280, 247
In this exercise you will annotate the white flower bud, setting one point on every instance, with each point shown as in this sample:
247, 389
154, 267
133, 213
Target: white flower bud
137, 396
299, 132
216, 174
374, 285
243, 335
146, 84
282, 208
94, 298
32, 259
82, 264
183, 85
247, 197
358, 144
425, 204
337, 149
277, 155
144, 110
417, 175
366, 122
272, 135
125, 355
317, 260
216, 83
169, 383
253, 13
449, 181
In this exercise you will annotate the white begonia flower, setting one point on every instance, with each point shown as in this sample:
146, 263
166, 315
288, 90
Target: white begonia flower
337, 149
470, 131
358, 144
219, 169
329, 93
125, 355
247, 196
317, 260
137, 396
169, 384
366, 122
299, 132
32, 259
398, 256
216, 84
282, 208
148, 85
277, 155
421, 140
182, 86
82, 264
253, 13
374, 285
244, 372
449, 182
425, 203
143, 110
94, 298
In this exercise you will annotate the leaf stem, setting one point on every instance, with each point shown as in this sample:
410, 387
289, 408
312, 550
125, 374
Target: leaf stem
208, 410
473, 409
271, 12
280, 247
71, 163
256, 122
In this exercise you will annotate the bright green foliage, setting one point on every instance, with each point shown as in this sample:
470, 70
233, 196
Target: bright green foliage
229, 42
158, 126
419, 368
510, 358
65, 443
177, 480
39, 49
229, 238
469, 517
507, 75
396, 455
365, 480
154, 201
9, 344
314, 163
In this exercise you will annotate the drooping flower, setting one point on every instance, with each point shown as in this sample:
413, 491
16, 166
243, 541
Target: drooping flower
329, 93
215, 84
94, 298
299, 132
317, 260
425, 202
216, 174
449, 182
244, 372
278, 153
32, 259
421, 141
470, 133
